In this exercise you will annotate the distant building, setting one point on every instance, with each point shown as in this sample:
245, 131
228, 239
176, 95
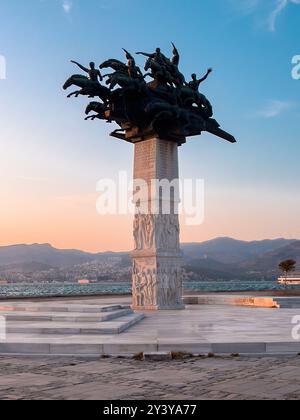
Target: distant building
83, 281
291, 279
2, 282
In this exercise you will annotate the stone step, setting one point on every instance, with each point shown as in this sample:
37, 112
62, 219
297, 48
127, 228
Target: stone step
59, 307
66, 316
71, 328
288, 302
97, 345
231, 300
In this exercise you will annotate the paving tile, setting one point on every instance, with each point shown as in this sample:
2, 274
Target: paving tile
87, 349
246, 348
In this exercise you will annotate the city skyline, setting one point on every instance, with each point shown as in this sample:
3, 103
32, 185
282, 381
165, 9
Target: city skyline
51, 159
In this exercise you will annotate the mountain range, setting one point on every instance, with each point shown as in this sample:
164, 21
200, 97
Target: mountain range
47, 255
226, 258
220, 258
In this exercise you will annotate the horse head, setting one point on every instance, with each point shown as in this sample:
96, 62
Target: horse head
92, 106
67, 84
148, 64
77, 80
114, 64
105, 65
72, 80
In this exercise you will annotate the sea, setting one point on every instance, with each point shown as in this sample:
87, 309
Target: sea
63, 289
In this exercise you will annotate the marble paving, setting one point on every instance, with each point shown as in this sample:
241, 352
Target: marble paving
242, 378
199, 329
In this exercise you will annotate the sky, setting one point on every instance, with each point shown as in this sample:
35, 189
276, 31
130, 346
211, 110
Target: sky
51, 159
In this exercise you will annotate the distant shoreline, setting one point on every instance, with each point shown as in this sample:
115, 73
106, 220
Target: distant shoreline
269, 293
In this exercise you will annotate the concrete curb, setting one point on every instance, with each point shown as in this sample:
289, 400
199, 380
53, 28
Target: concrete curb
119, 349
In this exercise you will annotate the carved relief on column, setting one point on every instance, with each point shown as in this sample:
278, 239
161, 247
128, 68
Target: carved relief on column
161, 232
170, 285
157, 287
144, 231
145, 284
167, 232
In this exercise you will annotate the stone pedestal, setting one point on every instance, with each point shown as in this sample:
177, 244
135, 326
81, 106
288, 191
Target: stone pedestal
157, 258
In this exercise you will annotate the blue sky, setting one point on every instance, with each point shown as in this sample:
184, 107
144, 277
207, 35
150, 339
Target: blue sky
47, 150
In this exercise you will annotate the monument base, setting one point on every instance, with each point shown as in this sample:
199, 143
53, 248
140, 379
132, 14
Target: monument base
157, 281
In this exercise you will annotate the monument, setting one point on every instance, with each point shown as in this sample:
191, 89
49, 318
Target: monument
156, 117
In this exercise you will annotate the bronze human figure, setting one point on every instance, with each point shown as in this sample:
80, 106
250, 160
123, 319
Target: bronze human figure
92, 72
176, 56
195, 83
133, 70
157, 56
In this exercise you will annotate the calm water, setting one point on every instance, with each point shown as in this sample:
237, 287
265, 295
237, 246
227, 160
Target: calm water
25, 290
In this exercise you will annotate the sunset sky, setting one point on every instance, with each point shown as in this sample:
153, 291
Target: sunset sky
51, 159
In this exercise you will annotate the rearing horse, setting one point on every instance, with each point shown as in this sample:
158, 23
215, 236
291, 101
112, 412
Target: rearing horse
121, 76
188, 97
116, 65
97, 107
178, 77
88, 87
126, 82
159, 72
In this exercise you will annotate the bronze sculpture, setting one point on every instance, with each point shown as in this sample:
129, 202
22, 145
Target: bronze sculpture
133, 70
195, 83
92, 72
167, 106
157, 56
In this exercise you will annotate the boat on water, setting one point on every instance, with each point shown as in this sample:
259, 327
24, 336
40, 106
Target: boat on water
291, 279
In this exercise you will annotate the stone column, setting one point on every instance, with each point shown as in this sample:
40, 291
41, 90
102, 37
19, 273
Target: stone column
157, 258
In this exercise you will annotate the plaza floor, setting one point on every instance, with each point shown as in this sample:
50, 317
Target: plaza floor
200, 329
220, 378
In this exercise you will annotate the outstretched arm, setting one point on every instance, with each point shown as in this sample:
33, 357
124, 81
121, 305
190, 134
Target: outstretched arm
80, 66
176, 56
205, 77
100, 75
128, 55
145, 54
139, 72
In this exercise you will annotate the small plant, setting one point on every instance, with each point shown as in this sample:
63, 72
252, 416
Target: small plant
287, 266
139, 356
211, 355
235, 355
181, 355
105, 356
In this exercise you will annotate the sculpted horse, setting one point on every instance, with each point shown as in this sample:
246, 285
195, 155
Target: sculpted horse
161, 113
127, 83
116, 65
97, 107
188, 97
159, 72
88, 87
121, 77
204, 106
178, 77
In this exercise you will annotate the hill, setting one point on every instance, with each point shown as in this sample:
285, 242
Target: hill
232, 251
218, 259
